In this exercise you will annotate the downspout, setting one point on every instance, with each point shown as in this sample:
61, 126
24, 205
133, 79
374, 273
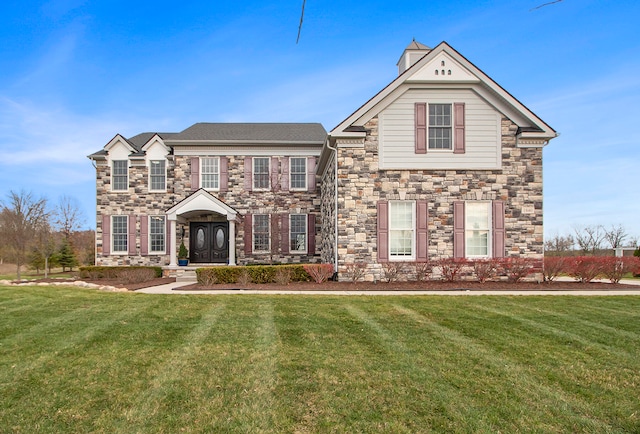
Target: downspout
335, 177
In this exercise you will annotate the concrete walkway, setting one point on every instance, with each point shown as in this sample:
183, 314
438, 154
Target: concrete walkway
174, 288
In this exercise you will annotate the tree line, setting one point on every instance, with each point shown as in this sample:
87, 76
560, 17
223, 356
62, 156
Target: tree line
591, 240
41, 235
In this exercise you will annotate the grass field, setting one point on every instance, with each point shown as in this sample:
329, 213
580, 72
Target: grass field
84, 361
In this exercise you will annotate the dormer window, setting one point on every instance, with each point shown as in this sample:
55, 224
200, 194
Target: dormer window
157, 175
119, 175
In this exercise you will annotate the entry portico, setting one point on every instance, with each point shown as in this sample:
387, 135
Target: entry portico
202, 206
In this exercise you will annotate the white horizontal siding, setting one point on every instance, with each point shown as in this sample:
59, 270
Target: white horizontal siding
397, 136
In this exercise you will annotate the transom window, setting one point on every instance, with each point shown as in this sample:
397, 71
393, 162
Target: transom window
440, 126
157, 234
477, 228
298, 169
157, 175
120, 175
119, 233
298, 233
401, 229
210, 173
261, 173
261, 233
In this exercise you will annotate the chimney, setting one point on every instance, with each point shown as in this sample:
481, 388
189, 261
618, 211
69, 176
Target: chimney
414, 52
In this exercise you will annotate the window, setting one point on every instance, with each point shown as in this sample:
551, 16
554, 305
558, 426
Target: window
298, 233
119, 233
210, 173
477, 229
401, 229
298, 173
261, 233
261, 173
440, 126
157, 175
156, 234
120, 175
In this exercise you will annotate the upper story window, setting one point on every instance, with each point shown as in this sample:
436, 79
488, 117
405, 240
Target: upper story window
440, 126
119, 233
210, 173
298, 169
401, 229
261, 173
261, 233
477, 228
119, 175
298, 233
157, 175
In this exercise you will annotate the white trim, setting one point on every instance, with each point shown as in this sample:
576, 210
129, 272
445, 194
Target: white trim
489, 229
164, 233
112, 179
224, 151
306, 164
200, 161
253, 233
113, 251
306, 234
153, 190
253, 174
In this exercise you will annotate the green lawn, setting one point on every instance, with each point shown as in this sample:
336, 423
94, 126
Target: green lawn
74, 360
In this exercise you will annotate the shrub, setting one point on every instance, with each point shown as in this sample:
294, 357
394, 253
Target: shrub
282, 275
554, 266
243, 277
452, 268
136, 275
614, 268
517, 269
392, 270
319, 272
256, 273
585, 268
485, 269
423, 270
355, 270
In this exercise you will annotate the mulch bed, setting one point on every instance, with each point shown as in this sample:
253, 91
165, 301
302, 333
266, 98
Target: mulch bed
415, 286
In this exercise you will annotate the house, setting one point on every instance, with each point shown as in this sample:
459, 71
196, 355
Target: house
441, 163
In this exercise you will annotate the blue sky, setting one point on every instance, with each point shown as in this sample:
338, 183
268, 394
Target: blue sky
74, 73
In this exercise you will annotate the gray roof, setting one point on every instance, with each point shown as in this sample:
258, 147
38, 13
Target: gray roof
311, 133
415, 45
139, 140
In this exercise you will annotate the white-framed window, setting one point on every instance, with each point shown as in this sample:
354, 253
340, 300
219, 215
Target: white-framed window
298, 173
402, 228
261, 173
157, 175
477, 229
298, 233
157, 238
119, 234
440, 123
210, 173
261, 233
119, 175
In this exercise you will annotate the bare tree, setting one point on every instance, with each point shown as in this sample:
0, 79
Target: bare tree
589, 238
560, 244
45, 244
23, 217
68, 217
615, 236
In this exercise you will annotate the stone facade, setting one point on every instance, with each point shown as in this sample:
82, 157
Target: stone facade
140, 202
361, 185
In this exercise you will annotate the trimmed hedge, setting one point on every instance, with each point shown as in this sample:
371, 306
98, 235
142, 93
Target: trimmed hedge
104, 272
256, 273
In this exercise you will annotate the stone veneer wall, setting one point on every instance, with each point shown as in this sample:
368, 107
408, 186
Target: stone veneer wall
361, 185
140, 201
328, 212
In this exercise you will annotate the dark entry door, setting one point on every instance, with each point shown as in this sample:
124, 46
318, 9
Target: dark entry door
209, 242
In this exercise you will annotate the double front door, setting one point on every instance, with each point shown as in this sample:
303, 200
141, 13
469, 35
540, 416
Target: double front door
209, 242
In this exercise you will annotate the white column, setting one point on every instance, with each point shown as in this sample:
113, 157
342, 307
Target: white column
172, 237
232, 242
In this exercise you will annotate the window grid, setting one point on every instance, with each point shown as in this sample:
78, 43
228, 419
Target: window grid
401, 229
477, 228
156, 233
119, 233
210, 173
120, 175
298, 232
158, 175
298, 173
261, 173
440, 126
261, 233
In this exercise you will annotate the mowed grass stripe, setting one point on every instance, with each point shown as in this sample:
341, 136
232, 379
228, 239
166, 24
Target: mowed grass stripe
506, 381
